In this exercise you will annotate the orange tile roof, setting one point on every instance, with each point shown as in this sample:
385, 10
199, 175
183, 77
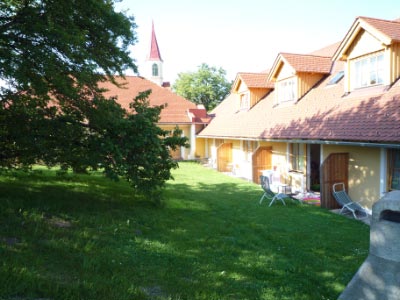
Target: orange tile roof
327, 51
255, 80
391, 29
308, 63
323, 114
176, 111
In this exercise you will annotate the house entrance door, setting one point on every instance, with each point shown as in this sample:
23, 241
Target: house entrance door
334, 169
314, 160
262, 160
224, 157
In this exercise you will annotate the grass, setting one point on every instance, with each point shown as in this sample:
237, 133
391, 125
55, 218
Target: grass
84, 237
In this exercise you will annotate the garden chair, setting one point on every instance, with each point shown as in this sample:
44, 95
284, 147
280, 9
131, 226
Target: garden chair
268, 193
339, 192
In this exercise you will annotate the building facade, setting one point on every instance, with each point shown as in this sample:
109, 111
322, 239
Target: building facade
319, 118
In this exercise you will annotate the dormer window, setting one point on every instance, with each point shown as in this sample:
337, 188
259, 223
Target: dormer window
287, 90
368, 71
244, 101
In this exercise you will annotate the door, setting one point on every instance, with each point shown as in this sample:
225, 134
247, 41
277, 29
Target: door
334, 169
224, 157
262, 160
314, 162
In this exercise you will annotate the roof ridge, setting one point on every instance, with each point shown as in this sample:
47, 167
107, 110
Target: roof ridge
397, 21
255, 73
307, 54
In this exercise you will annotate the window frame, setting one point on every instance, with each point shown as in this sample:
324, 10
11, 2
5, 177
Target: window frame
248, 149
336, 78
287, 90
154, 70
297, 160
368, 70
244, 101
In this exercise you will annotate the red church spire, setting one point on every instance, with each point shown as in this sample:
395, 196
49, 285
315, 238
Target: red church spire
154, 50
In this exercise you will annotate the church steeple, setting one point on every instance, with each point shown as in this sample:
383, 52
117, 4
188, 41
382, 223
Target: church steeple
154, 60
154, 50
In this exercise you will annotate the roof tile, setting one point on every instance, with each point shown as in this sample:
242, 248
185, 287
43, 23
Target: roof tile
176, 110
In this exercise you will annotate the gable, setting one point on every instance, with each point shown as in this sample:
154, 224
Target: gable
386, 32
241, 87
364, 43
286, 71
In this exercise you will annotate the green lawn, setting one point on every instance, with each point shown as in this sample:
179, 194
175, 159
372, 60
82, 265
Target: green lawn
84, 237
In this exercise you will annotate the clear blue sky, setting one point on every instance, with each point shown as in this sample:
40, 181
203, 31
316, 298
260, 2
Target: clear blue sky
246, 35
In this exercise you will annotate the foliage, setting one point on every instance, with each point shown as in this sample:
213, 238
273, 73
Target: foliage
132, 146
52, 56
83, 237
208, 86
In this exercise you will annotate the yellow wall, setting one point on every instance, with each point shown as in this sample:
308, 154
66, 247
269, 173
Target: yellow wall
395, 62
364, 172
286, 72
279, 158
306, 81
256, 94
200, 148
186, 132
363, 44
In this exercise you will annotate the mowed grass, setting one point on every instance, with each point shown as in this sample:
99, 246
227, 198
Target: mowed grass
85, 237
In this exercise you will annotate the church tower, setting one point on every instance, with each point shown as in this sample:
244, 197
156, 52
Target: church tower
154, 62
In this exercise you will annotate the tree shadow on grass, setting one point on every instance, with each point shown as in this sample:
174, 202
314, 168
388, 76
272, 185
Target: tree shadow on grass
210, 241
257, 250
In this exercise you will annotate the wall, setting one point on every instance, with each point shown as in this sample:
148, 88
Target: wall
185, 131
256, 94
364, 172
306, 81
364, 43
395, 62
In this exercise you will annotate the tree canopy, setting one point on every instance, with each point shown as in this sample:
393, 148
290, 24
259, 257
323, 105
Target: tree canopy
207, 86
53, 54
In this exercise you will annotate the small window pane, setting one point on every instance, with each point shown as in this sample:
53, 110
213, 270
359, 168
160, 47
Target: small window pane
368, 71
336, 78
155, 70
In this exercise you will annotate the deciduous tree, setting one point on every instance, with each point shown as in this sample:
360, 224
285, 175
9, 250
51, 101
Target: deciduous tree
208, 86
53, 54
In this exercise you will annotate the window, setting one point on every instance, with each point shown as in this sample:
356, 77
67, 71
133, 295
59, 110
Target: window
393, 169
287, 90
335, 79
155, 70
368, 71
297, 157
248, 149
244, 101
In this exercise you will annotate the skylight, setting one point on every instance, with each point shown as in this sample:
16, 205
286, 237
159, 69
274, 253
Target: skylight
339, 75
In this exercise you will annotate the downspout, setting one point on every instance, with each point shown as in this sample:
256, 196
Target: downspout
383, 172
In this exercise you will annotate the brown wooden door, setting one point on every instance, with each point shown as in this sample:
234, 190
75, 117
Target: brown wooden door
224, 157
334, 169
262, 160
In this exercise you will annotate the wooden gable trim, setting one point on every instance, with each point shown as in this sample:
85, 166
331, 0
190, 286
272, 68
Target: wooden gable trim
236, 84
276, 68
355, 30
